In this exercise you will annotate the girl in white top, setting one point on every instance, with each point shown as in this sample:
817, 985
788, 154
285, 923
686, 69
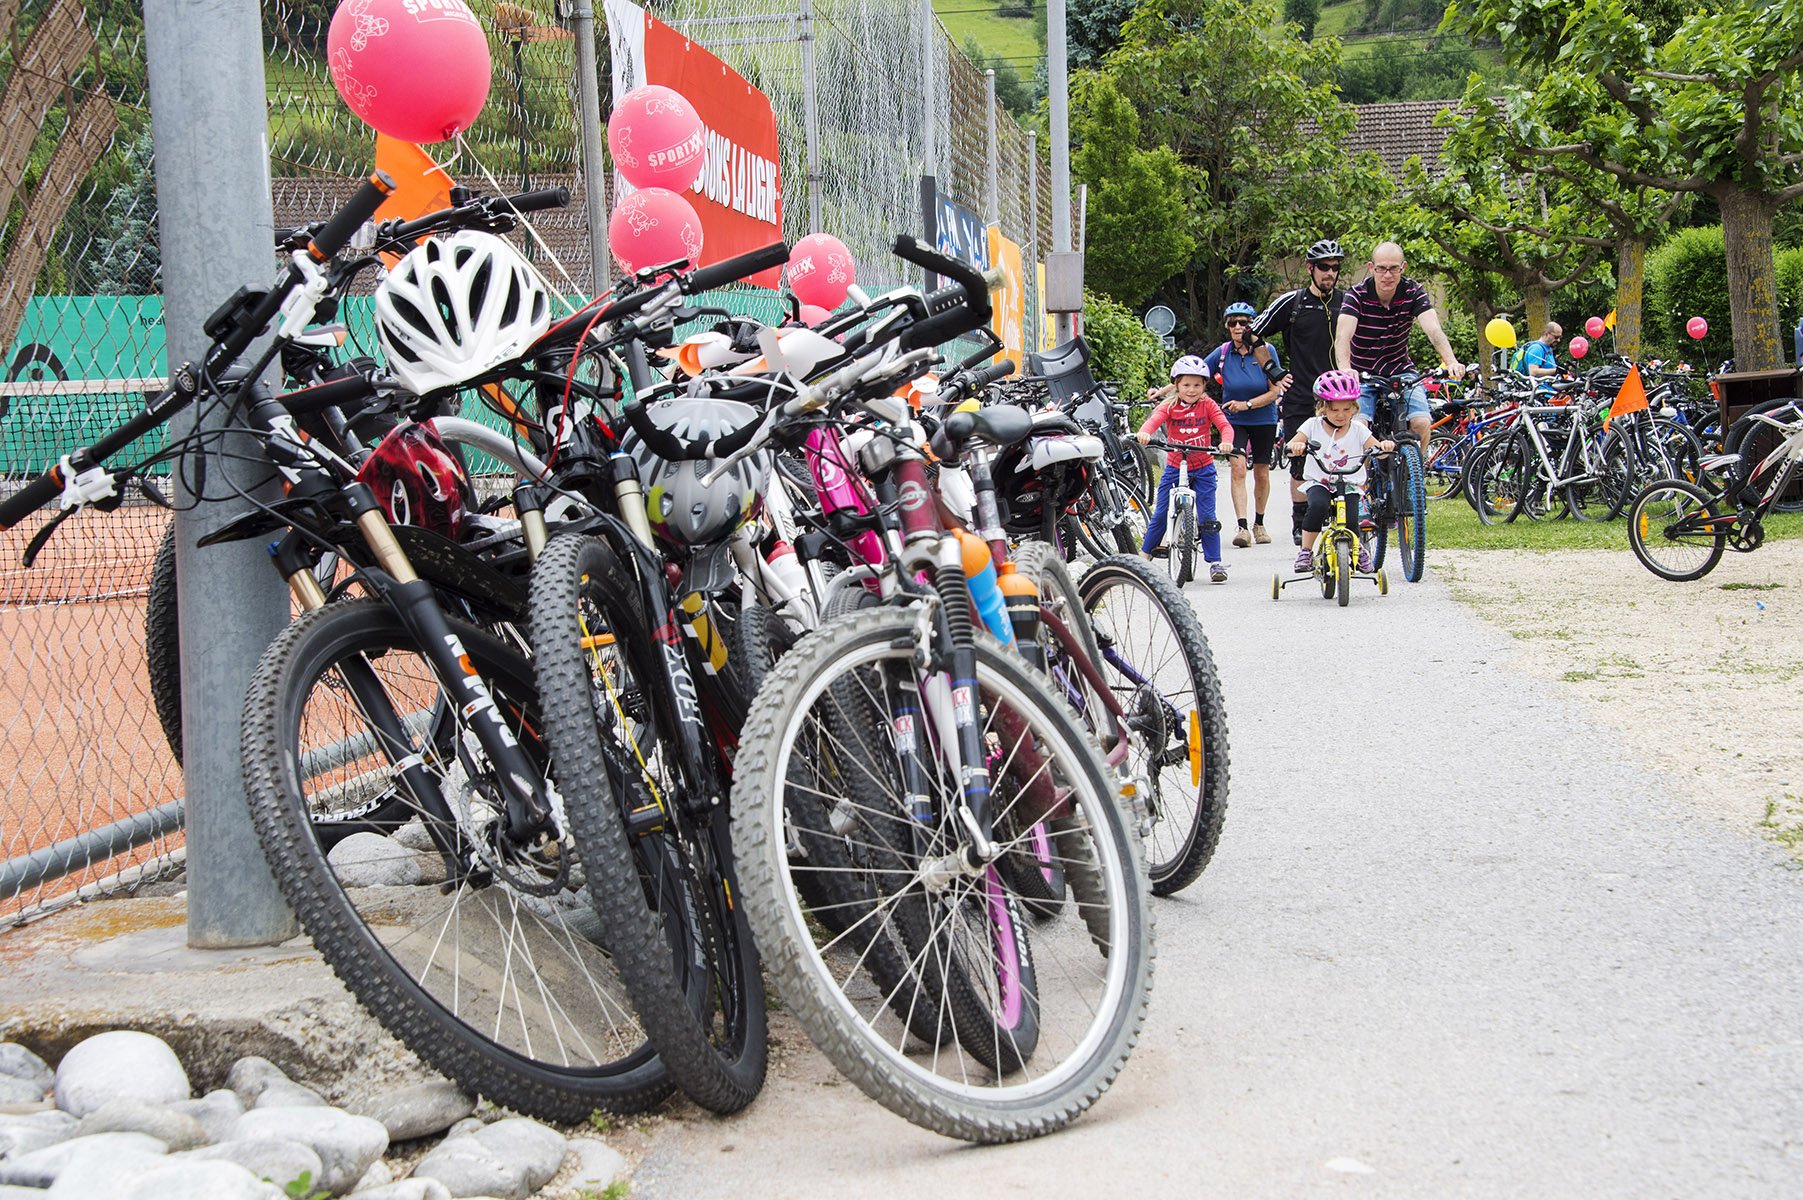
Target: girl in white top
1343, 439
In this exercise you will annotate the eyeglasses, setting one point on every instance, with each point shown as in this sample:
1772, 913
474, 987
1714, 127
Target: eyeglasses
1239, 323
1383, 270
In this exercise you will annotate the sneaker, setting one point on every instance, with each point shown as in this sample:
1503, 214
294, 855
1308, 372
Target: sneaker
1243, 538
1261, 537
1305, 561
1364, 559
1217, 572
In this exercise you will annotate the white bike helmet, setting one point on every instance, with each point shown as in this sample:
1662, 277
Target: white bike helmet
457, 306
682, 508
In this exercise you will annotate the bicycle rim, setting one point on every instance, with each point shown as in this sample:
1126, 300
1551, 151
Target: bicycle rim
1667, 533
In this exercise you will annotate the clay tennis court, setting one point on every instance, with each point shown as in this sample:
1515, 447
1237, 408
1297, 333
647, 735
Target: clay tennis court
80, 746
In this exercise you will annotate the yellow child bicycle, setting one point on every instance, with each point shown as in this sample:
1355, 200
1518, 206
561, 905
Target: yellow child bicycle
1336, 551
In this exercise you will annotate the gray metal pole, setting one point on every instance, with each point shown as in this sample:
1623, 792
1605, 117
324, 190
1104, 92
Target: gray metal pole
1058, 85
811, 114
594, 164
205, 62
1034, 334
929, 82
992, 199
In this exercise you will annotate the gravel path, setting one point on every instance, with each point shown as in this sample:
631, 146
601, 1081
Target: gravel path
1475, 949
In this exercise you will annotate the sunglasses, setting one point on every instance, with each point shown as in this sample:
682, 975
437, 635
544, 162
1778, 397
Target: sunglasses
1333, 266
1239, 323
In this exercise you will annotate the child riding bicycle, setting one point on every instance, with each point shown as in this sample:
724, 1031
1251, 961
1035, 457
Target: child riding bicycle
1188, 414
1343, 438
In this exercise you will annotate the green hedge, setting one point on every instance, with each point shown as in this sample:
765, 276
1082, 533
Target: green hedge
1688, 276
1122, 348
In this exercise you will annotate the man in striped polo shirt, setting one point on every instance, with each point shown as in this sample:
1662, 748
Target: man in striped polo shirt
1373, 334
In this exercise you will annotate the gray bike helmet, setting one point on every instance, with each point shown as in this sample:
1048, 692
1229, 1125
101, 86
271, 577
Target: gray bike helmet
1325, 249
681, 507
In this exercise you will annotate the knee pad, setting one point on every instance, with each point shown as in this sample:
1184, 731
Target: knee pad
1211, 527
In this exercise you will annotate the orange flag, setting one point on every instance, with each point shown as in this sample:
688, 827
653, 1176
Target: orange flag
1631, 398
421, 185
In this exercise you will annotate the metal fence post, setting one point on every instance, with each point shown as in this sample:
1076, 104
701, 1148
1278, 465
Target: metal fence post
992, 200
811, 114
205, 60
1058, 85
594, 165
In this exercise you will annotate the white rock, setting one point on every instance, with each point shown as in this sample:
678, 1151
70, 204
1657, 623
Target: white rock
466, 1167
16, 1062
281, 1093
119, 1064
200, 1181
217, 1112
406, 1189
40, 1168
177, 1130
467, 1125
20, 1091
279, 1159
538, 1149
597, 1165
346, 1144
250, 1075
10, 1191
415, 836
379, 1175
371, 860
417, 1110
23, 1134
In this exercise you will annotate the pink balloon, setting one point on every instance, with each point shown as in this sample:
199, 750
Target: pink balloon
1580, 346
656, 138
414, 69
653, 226
1594, 327
821, 270
1697, 328
813, 314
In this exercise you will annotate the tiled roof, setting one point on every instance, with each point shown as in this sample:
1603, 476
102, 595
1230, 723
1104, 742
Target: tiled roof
1397, 131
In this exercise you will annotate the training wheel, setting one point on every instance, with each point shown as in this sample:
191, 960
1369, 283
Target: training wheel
1276, 587
1383, 583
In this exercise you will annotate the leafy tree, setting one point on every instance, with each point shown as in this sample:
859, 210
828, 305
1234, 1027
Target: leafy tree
127, 257
1716, 109
1305, 14
1250, 112
1394, 69
1092, 29
1123, 349
1138, 234
1012, 92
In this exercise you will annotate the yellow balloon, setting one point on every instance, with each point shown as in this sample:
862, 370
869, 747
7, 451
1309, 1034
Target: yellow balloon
1500, 333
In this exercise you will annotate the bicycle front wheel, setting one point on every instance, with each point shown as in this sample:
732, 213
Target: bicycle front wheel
1032, 1023
483, 957
1676, 530
1342, 569
1186, 546
1409, 497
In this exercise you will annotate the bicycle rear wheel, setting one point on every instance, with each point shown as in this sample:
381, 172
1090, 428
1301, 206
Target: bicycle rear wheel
1035, 1022
1446, 452
493, 967
1156, 660
1504, 476
1675, 531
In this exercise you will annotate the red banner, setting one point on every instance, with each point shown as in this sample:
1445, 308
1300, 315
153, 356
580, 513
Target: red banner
739, 196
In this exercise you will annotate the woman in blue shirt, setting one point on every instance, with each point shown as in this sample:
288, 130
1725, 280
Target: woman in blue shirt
1250, 400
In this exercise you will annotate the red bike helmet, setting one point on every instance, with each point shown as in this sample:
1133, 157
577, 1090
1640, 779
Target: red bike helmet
418, 481
1337, 385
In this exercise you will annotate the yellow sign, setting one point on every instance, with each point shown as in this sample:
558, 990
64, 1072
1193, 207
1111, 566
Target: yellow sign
1046, 340
1009, 320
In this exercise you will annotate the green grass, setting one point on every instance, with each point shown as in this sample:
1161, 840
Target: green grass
1452, 525
1336, 19
1748, 587
1011, 37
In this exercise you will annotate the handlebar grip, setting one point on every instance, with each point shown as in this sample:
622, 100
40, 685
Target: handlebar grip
705, 278
29, 499
355, 386
942, 300
557, 197
347, 220
972, 279
1000, 369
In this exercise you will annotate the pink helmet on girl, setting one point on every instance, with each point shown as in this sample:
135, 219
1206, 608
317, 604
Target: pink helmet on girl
1337, 385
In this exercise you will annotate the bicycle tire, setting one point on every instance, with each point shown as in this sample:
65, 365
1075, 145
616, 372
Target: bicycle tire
1411, 515
1504, 475
1656, 534
1755, 440
163, 643
1621, 469
1113, 938
1342, 569
1444, 457
1179, 716
1382, 508
663, 894
1186, 546
537, 1058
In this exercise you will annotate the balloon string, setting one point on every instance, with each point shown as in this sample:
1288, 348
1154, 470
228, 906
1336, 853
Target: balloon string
533, 233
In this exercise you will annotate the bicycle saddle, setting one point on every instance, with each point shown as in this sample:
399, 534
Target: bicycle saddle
997, 424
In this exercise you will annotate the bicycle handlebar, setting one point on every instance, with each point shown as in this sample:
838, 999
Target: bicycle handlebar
349, 219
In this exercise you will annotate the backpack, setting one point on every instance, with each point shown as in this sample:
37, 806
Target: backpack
1519, 362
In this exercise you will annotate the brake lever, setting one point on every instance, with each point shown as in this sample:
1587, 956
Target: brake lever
37, 543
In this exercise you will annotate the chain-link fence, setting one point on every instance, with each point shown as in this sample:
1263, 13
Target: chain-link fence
89, 790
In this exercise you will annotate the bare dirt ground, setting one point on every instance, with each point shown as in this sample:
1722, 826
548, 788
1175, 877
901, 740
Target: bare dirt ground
1699, 679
